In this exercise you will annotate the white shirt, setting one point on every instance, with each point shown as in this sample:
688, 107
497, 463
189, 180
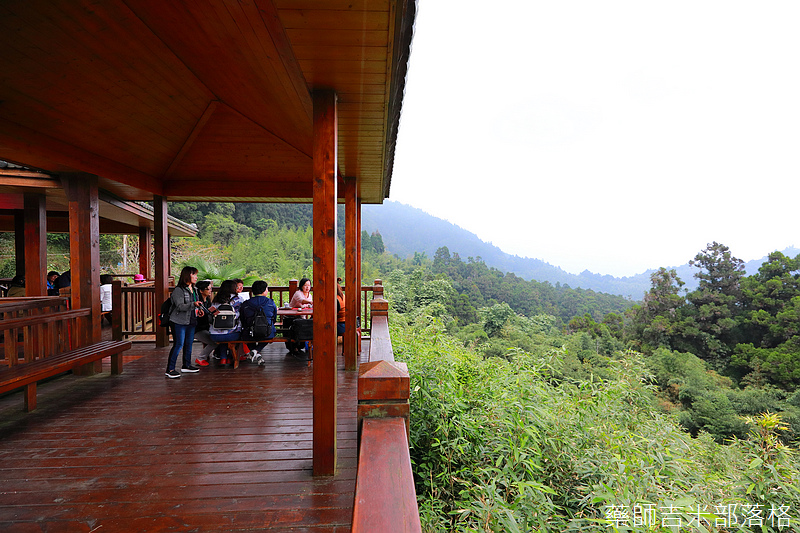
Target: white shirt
105, 297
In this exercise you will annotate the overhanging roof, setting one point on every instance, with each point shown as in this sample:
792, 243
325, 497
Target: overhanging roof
116, 215
202, 99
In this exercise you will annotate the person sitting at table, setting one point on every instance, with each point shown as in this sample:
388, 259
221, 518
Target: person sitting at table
225, 295
302, 296
52, 276
243, 296
201, 332
340, 313
17, 287
105, 295
248, 312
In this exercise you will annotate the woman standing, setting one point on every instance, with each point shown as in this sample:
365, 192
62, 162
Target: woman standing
183, 319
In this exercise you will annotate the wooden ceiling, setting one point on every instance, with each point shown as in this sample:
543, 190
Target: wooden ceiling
201, 99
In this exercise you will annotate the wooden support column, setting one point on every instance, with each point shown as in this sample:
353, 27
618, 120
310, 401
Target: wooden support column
35, 216
353, 294
362, 320
19, 242
325, 194
161, 238
84, 254
145, 249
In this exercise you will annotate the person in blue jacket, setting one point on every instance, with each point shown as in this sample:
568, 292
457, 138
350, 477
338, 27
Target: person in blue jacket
248, 311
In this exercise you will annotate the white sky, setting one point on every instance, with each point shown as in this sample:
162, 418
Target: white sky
606, 135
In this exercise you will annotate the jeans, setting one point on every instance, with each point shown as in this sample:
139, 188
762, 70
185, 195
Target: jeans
221, 337
182, 339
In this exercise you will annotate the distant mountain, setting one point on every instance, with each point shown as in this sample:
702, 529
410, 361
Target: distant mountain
406, 230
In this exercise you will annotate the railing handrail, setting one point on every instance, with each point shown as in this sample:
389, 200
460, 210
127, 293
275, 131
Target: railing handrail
385, 497
134, 316
31, 302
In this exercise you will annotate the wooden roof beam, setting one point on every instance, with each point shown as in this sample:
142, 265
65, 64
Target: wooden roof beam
23, 143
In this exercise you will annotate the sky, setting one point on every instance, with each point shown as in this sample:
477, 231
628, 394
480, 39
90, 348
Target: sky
610, 136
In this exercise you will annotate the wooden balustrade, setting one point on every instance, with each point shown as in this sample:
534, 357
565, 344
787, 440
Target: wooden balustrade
35, 328
134, 308
385, 498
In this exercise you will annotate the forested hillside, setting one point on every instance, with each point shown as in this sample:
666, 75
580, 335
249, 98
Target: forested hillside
407, 230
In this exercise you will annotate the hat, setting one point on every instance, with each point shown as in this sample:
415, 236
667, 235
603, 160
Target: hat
138, 277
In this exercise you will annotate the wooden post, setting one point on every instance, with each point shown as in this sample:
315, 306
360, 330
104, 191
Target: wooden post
145, 249
292, 287
35, 271
19, 242
116, 310
353, 294
84, 257
162, 264
361, 317
325, 167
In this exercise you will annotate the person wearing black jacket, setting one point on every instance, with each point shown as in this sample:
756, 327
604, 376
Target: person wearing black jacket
201, 334
247, 313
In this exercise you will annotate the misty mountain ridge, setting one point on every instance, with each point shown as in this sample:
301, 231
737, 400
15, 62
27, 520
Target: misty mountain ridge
406, 230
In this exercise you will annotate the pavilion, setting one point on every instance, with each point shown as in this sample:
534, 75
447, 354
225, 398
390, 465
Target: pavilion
121, 101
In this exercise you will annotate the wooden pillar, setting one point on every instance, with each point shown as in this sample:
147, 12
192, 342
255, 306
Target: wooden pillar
19, 242
84, 252
161, 238
352, 296
35, 216
324, 256
363, 317
145, 249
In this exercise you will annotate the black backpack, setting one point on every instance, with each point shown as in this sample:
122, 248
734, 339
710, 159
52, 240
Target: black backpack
261, 326
163, 315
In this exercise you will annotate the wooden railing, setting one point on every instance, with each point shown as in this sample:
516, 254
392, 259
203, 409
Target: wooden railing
385, 498
38, 327
134, 308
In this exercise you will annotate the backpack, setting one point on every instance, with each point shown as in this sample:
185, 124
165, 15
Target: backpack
225, 318
163, 315
261, 326
303, 329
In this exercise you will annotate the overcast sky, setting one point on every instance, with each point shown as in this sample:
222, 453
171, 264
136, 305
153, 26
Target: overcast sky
610, 136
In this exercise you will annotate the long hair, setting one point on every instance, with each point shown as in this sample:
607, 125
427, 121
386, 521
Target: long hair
226, 291
186, 276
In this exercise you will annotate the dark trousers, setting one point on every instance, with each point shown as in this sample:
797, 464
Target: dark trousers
182, 339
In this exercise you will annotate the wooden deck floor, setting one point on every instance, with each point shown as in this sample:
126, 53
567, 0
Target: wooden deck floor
220, 450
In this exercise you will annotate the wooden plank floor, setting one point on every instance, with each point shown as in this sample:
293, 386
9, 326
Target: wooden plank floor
220, 450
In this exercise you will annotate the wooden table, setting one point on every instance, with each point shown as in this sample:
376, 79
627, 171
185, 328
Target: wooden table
296, 312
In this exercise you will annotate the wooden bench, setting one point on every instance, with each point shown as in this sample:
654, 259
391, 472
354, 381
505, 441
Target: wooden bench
28, 374
232, 347
41, 342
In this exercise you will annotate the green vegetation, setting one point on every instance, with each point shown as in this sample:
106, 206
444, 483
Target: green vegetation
561, 437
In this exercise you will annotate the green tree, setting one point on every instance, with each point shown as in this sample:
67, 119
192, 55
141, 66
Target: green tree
710, 320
